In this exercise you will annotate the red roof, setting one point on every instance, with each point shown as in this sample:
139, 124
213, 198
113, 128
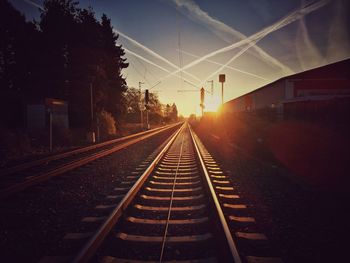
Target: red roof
335, 75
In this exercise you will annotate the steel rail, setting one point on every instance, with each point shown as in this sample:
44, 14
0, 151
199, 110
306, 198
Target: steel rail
72, 165
171, 203
89, 250
26, 165
230, 242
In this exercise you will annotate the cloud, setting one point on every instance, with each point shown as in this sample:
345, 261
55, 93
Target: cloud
34, 4
338, 38
292, 17
145, 59
153, 64
308, 54
229, 67
151, 52
225, 32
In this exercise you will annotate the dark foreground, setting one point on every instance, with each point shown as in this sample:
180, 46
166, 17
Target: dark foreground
33, 223
305, 221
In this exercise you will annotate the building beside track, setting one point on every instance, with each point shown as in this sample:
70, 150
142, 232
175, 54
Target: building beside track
319, 93
38, 114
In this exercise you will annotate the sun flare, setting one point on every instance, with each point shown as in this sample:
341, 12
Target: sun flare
212, 103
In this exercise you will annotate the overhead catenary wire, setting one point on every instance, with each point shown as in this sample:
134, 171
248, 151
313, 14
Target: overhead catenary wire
152, 63
154, 54
147, 70
250, 44
139, 73
229, 67
178, 26
290, 18
195, 13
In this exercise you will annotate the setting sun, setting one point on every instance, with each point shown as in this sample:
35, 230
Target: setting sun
212, 103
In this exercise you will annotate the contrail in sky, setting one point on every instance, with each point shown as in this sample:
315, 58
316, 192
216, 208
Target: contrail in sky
338, 38
145, 59
307, 53
219, 28
153, 53
154, 64
34, 4
229, 67
280, 24
242, 51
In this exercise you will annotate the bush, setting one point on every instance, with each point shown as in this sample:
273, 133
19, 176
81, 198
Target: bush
13, 143
61, 137
108, 127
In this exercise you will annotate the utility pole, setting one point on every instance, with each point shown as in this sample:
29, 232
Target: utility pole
92, 114
202, 100
91, 105
222, 93
50, 129
222, 80
97, 128
193, 86
212, 87
147, 107
140, 105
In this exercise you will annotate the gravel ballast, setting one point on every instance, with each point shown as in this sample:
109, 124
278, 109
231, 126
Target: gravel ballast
302, 222
34, 222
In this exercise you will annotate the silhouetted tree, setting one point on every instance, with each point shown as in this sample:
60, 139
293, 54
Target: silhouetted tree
62, 56
97, 63
83, 57
173, 112
132, 99
112, 63
167, 110
84, 65
59, 32
17, 53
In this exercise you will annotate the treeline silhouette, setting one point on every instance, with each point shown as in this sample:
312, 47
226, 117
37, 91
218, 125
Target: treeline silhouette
59, 56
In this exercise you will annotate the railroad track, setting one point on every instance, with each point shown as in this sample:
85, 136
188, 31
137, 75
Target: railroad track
20, 177
181, 208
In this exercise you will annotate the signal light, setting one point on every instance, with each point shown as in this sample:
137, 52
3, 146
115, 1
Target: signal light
146, 96
202, 95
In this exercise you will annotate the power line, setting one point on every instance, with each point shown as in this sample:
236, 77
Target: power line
146, 68
138, 72
179, 46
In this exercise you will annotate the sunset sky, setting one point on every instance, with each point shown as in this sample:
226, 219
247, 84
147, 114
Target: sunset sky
163, 35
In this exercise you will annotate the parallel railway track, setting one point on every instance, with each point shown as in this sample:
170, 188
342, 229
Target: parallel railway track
20, 177
181, 208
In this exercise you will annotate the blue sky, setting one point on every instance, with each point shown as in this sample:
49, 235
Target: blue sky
198, 27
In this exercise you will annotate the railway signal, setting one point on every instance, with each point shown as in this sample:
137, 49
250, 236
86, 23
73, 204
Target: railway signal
146, 97
222, 78
202, 100
202, 93
140, 105
147, 106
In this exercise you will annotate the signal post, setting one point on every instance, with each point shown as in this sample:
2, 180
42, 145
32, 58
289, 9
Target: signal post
202, 100
222, 80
